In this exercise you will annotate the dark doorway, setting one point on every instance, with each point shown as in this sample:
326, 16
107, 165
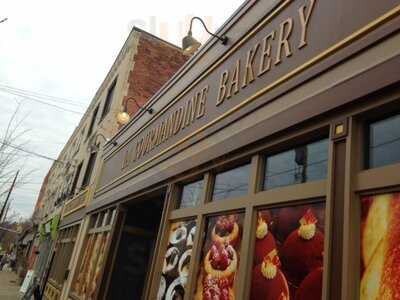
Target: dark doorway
136, 249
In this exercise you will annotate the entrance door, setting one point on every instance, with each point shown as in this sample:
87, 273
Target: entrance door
135, 250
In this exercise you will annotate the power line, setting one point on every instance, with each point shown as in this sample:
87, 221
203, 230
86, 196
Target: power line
30, 152
43, 96
42, 102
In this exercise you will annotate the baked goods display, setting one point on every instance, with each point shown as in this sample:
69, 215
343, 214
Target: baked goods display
380, 247
288, 253
176, 261
220, 258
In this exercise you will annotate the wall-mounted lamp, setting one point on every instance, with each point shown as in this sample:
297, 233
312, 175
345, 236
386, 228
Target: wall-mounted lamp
93, 146
190, 45
123, 117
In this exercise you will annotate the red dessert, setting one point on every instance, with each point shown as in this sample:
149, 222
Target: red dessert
303, 249
287, 220
268, 282
311, 286
216, 288
265, 242
221, 261
226, 230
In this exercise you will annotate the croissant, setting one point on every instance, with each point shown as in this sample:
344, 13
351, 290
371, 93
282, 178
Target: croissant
381, 250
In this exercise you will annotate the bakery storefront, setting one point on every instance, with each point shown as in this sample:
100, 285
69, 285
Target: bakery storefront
269, 167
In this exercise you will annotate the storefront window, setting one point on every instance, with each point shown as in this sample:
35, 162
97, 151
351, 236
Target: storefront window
191, 194
175, 269
94, 255
220, 257
64, 247
384, 142
302, 164
232, 183
288, 253
380, 240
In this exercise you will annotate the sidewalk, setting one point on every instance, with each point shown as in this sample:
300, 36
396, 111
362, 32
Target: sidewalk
9, 288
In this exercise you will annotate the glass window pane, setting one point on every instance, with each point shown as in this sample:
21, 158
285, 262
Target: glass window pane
176, 262
191, 194
220, 257
384, 142
305, 163
380, 240
289, 253
232, 183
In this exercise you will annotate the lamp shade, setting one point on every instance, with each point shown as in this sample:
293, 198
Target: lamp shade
189, 44
123, 118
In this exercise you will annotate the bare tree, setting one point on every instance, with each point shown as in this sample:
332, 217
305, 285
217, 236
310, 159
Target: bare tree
11, 156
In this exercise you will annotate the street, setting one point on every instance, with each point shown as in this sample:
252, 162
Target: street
9, 288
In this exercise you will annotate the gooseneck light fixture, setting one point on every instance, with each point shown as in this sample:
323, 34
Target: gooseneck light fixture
190, 45
123, 117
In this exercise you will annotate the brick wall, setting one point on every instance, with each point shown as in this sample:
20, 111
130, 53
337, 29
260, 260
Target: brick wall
154, 63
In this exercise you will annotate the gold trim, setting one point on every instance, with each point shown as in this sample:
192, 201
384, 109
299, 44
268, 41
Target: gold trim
212, 68
85, 202
343, 43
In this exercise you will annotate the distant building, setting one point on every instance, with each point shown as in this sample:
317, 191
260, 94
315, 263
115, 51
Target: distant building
143, 65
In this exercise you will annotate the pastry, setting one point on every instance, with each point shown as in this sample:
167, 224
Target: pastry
162, 288
381, 278
303, 249
170, 266
178, 234
311, 287
226, 230
265, 242
175, 290
183, 266
190, 238
211, 288
268, 281
221, 261
375, 226
287, 219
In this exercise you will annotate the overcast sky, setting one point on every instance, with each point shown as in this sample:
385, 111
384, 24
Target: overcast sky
64, 48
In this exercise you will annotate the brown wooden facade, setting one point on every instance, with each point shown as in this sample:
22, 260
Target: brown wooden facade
293, 72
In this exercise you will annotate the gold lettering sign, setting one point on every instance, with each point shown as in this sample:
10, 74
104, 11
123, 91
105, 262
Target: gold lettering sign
180, 118
270, 51
275, 46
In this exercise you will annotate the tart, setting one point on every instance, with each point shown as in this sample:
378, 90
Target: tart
265, 242
268, 281
170, 266
211, 288
311, 287
303, 249
221, 261
226, 230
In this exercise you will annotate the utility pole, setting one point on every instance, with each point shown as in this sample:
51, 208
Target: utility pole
6, 212
8, 196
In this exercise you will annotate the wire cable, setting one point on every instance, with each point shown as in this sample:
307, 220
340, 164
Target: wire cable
43, 102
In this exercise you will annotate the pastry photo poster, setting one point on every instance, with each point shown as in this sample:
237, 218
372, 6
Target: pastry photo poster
288, 253
220, 257
380, 247
176, 261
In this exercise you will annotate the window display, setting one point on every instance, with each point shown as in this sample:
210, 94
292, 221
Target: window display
176, 262
288, 254
380, 247
220, 258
